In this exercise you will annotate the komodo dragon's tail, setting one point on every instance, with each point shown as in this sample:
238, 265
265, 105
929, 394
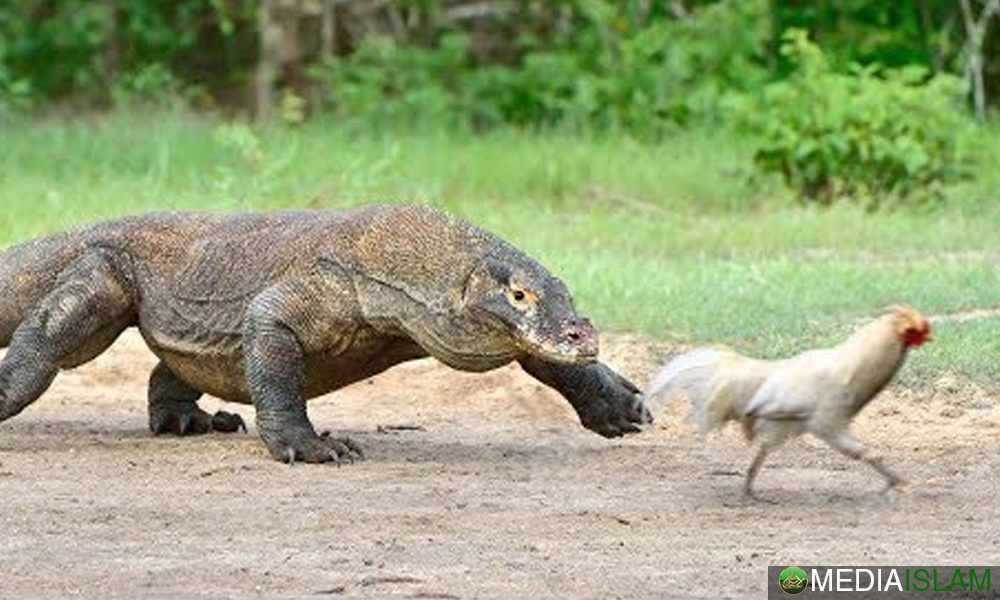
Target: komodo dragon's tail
717, 381
29, 271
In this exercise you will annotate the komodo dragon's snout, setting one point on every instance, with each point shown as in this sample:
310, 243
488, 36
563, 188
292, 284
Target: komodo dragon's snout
573, 340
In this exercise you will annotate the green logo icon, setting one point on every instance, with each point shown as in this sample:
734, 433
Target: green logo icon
793, 580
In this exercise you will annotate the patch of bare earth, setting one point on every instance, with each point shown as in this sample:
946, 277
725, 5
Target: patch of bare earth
475, 486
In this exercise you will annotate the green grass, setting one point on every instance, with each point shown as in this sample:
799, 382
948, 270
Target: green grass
677, 240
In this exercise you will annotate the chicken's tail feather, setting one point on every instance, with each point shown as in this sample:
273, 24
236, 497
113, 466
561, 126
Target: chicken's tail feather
717, 381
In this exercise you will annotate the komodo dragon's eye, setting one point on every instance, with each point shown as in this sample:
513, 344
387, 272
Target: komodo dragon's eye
521, 297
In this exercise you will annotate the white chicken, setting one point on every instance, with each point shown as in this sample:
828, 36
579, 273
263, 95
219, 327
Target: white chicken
819, 391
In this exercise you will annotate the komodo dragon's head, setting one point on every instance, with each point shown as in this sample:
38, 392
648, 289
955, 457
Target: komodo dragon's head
534, 307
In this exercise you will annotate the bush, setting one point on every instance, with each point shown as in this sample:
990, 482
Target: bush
869, 134
678, 71
103, 53
604, 69
388, 83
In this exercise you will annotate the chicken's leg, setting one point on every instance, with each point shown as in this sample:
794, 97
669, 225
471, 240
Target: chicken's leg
758, 462
854, 448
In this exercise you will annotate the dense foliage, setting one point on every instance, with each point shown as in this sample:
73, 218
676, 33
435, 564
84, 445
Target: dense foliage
869, 100
604, 72
81, 50
99, 52
873, 134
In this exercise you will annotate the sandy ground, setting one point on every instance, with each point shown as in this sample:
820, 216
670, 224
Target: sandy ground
475, 486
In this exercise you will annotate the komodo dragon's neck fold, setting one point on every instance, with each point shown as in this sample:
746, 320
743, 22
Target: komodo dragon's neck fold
437, 318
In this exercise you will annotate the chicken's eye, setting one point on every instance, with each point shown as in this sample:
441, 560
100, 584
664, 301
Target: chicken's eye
518, 295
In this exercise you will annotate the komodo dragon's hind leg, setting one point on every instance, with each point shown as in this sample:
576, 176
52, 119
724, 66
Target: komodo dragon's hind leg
89, 306
173, 408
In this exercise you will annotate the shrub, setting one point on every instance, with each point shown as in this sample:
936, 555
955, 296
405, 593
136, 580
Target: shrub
388, 83
604, 69
870, 134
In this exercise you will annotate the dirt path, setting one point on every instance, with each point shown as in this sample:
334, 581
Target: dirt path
497, 492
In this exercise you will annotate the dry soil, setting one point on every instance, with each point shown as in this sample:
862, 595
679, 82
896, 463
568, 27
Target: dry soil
475, 485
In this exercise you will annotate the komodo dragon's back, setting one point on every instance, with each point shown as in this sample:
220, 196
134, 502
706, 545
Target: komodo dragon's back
274, 308
153, 249
215, 259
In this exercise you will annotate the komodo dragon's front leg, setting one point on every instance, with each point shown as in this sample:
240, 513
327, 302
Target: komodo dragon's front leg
606, 402
282, 324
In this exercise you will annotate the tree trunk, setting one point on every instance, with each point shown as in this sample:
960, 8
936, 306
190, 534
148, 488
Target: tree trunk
328, 30
111, 57
975, 32
268, 61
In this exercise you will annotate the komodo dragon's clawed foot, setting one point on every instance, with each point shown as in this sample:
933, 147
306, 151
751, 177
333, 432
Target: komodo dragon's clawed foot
346, 448
188, 419
321, 449
616, 408
227, 422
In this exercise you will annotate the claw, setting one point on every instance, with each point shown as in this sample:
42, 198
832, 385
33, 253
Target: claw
161, 426
644, 414
624, 426
341, 451
344, 447
316, 449
184, 424
184, 419
353, 447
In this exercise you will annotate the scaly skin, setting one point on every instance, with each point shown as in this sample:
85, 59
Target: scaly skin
274, 309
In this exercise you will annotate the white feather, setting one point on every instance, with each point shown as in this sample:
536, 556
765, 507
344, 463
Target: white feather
717, 381
688, 374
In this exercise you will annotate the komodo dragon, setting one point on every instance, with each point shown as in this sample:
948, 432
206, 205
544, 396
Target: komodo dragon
276, 308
